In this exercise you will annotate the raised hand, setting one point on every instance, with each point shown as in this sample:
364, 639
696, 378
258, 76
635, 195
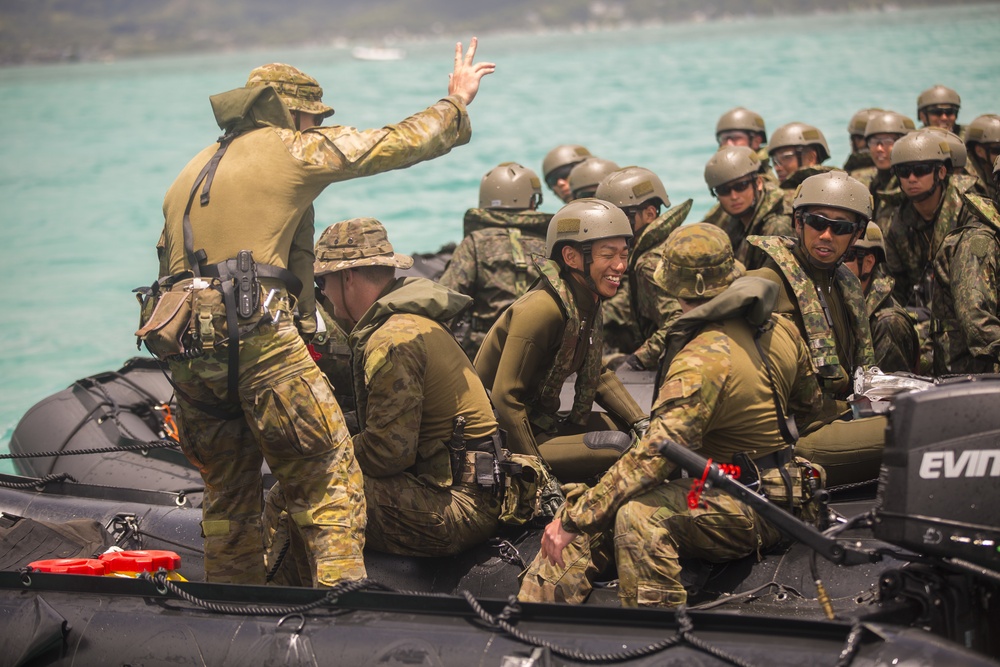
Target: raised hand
464, 81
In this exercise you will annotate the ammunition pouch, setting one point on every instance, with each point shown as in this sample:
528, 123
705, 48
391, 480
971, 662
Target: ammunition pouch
167, 322
806, 479
533, 494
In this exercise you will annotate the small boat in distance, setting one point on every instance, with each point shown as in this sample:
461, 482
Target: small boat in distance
377, 53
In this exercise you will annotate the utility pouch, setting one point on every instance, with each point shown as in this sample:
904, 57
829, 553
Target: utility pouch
533, 494
210, 325
167, 330
805, 476
484, 469
246, 285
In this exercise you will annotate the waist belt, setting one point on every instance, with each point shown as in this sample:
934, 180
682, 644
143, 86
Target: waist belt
774, 459
223, 270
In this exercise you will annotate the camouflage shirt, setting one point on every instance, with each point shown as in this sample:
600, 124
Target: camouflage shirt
772, 217
494, 264
911, 243
411, 381
790, 185
983, 172
966, 303
715, 397
886, 194
857, 161
893, 334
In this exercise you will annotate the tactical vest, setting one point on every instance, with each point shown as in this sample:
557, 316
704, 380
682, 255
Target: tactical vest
815, 312
541, 410
651, 240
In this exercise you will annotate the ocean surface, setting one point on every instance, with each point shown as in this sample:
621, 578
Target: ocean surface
89, 149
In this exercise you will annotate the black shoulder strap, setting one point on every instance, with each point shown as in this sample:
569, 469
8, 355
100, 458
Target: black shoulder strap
207, 174
789, 431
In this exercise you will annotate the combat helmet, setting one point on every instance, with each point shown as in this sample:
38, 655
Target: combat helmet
730, 163
560, 160
937, 96
860, 120
584, 221
983, 129
835, 189
698, 263
510, 185
741, 119
353, 243
630, 187
920, 147
799, 135
586, 175
298, 90
956, 147
888, 122
872, 241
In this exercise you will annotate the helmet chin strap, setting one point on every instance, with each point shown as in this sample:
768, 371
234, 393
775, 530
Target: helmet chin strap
588, 260
930, 193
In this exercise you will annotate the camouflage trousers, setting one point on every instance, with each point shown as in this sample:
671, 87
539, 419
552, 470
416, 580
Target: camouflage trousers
290, 419
652, 533
578, 453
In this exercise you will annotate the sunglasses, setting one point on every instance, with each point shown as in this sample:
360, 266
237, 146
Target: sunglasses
854, 254
562, 173
738, 186
821, 224
942, 111
783, 157
733, 135
882, 142
918, 169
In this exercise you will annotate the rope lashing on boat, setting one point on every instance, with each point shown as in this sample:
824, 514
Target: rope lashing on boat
164, 585
153, 444
683, 636
40, 482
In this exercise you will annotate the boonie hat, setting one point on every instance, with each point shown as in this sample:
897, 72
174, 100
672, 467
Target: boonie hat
353, 243
698, 263
298, 90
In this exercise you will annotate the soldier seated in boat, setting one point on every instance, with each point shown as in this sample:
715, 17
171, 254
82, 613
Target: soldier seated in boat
494, 262
556, 330
798, 151
556, 166
731, 371
412, 384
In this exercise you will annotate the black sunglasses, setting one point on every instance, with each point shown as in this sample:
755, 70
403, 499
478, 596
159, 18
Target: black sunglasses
821, 224
557, 174
942, 111
918, 169
738, 186
854, 254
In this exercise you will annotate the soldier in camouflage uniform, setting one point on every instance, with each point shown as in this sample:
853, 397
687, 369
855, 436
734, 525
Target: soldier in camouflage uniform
798, 151
751, 205
641, 301
860, 157
966, 302
741, 127
826, 302
882, 130
585, 176
716, 397
556, 166
260, 396
982, 138
494, 262
934, 206
555, 330
938, 106
893, 337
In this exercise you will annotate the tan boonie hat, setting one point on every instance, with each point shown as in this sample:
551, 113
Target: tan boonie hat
353, 243
298, 90
697, 263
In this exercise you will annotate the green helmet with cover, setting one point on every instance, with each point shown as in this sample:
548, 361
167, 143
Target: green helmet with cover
856, 128
837, 190
353, 243
800, 135
888, 122
298, 90
730, 163
938, 96
920, 147
584, 221
983, 129
959, 153
510, 185
698, 263
560, 160
741, 119
872, 241
585, 176
630, 187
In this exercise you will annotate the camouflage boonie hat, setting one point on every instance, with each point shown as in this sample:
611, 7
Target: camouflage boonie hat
353, 243
298, 90
698, 263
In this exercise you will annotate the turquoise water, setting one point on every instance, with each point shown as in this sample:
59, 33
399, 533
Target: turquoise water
89, 149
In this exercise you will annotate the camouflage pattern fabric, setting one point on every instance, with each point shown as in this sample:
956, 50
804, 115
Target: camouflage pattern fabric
772, 217
335, 356
697, 406
966, 300
494, 264
818, 330
886, 193
857, 161
983, 171
791, 184
290, 419
911, 244
894, 337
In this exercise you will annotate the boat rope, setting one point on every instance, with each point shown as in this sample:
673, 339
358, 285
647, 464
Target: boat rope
851, 645
163, 585
41, 481
683, 636
279, 559
139, 446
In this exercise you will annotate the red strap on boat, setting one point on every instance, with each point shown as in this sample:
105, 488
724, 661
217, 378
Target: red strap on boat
698, 486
